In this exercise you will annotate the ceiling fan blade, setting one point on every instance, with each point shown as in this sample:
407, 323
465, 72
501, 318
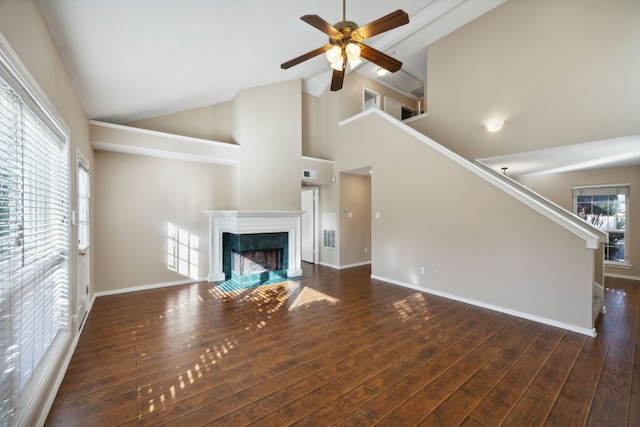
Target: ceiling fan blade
380, 59
322, 25
302, 58
337, 79
386, 23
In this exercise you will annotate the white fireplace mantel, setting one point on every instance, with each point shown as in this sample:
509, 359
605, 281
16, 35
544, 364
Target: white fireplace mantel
253, 222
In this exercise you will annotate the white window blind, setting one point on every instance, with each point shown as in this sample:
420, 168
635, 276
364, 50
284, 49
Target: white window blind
34, 279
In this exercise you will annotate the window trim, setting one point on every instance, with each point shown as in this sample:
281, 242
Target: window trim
618, 188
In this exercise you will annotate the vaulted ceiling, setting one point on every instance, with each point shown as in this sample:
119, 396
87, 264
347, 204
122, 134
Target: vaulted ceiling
134, 59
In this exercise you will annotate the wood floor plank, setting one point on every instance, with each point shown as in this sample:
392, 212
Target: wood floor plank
458, 405
294, 411
355, 419
437, 359
495, 406
554, 372
337, 347
342, 405
412, 410
634, 401
531, 410
280, 395
573, 404
464, 368
611, 404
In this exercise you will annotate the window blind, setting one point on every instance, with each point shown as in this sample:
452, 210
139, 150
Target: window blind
609, 190
34, 282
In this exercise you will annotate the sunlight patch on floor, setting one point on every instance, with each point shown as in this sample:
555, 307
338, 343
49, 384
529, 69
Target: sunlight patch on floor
308, 296
412, 307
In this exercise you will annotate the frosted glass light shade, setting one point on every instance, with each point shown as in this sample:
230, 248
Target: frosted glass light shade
353, 54
494, 125
334, 54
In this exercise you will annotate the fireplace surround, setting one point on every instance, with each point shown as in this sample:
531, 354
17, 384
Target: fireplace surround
253, 223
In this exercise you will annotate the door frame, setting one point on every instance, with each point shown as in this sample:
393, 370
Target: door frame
315, 214
83, 258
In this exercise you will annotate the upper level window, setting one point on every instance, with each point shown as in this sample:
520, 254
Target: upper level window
606, 207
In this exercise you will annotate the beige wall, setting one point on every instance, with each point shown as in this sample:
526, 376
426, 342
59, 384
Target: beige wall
558, 73
212, 122
136, 196
267, 123
313, 128
486, 246
355, 224
557, 187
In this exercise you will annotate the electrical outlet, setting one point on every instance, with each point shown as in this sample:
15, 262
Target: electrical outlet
421, 270
366, 250
437, 273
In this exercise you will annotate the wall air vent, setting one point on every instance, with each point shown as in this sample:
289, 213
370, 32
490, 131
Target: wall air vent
310, 174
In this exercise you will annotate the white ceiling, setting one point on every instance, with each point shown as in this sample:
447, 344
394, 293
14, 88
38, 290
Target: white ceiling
615, 152
134, 59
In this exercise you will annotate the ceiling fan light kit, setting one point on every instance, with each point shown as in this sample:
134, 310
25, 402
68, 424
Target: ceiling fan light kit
345, 45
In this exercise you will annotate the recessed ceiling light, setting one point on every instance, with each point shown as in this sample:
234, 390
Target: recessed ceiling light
494, 125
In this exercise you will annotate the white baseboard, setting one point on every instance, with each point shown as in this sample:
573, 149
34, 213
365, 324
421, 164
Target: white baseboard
342, 267
335, 267
584, 331
358, 264
146, 287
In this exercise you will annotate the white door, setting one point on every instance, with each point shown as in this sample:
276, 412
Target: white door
308, 225
82, 221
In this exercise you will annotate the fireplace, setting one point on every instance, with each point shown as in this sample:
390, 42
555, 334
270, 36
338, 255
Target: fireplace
243, 232
253, 259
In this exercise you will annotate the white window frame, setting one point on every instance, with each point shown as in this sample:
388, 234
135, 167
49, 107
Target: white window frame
32, 396
610, 190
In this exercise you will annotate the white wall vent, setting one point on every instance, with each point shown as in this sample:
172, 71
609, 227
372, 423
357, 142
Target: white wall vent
310, 174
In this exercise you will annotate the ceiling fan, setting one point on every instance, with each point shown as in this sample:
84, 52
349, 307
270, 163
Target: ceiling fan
345, 45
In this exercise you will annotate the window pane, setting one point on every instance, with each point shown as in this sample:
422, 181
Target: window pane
607, 211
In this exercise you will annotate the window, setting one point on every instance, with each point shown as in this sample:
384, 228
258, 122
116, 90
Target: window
605, 207
83, 203
34, 237
182, 251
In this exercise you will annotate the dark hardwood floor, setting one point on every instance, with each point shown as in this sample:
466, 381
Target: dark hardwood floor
337, 348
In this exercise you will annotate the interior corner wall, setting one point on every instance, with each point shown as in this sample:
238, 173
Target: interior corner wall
267, 124
355, 223
136, 198
352, 93
557, 72
212, 122
557, 187
313, 128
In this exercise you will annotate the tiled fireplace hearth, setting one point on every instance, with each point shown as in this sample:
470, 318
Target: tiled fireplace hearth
275, 234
